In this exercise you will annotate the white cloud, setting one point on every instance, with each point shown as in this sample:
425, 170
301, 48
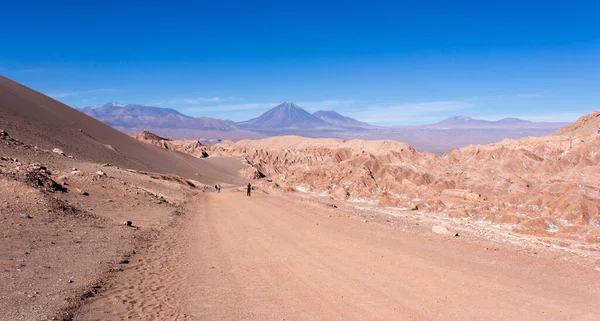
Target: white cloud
61, 95
529, 95
100, 90
325, 104
190, 100
38, 70
412, 113
78, 93
308, 105
229, 107
558, 117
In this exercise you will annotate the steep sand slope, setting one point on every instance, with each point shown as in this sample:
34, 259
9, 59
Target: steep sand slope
271, 257
62, 233
36, 119
61, 230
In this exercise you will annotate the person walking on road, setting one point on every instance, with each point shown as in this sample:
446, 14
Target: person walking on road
249, 190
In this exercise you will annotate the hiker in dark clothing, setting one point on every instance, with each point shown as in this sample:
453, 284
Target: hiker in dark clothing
249, 190
216, 188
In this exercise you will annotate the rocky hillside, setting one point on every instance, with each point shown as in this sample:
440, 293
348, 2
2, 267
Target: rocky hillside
539, 185
192, 147
545, 186
587, 125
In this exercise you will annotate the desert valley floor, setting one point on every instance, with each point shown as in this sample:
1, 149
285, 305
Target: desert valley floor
97, 225
272, 257
194, 254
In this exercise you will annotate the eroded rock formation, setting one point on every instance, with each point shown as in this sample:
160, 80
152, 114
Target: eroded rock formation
538, 185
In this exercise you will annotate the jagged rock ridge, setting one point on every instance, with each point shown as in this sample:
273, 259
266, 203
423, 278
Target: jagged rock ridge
538, 185
336, 119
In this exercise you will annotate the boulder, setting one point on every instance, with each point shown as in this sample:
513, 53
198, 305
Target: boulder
461, 194
439, 229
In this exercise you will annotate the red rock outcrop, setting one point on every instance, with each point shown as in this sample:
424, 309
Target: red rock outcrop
192, 147
538, 185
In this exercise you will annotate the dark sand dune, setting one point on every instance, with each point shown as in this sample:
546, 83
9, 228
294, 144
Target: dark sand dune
36, 119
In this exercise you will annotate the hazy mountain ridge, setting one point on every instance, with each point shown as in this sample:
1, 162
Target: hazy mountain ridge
138, 116
290, 119
334, 118
468, 122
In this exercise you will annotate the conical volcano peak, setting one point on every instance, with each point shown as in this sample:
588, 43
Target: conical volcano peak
287, 104
285, 115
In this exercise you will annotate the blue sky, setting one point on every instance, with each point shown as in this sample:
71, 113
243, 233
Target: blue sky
385, 62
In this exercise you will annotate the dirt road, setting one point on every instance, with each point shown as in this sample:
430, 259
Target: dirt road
275, 258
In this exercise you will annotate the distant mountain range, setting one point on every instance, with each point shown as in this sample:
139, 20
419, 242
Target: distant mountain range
138, 116
337, 119
468, 122
285, 115
288, 118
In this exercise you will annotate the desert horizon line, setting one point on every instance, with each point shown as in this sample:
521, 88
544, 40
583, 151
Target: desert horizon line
275, 105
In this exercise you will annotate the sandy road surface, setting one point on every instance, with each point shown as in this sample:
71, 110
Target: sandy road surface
274, 258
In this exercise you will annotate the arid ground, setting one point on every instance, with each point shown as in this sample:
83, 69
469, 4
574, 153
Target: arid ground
275, 257
98, 226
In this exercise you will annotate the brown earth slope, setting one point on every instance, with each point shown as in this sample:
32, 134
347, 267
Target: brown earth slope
36, 119
62, 205
61, 226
